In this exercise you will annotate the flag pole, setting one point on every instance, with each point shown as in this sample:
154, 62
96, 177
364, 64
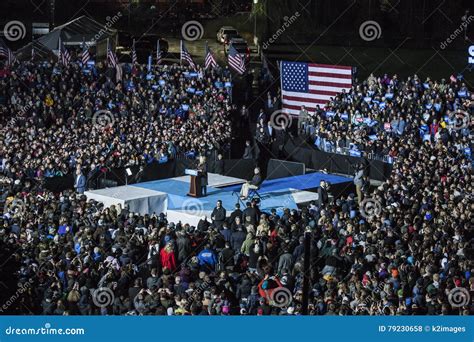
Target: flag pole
32, 49
206, 50
134, 54
83, 49
107, 53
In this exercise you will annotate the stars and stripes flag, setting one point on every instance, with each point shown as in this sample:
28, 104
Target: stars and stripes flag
111, 57
186, 56
159, 55
11, 57
310, 84
86, 56
236, 60
113, 62
64, 55
209, 60
6, 52
134, 54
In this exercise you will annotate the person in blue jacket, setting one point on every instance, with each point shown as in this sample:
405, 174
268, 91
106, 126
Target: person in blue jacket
80, 182
207, 258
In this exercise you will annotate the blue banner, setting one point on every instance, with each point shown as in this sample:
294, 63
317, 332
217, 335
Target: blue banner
232, 328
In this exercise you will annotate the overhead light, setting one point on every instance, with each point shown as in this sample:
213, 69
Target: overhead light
255, 2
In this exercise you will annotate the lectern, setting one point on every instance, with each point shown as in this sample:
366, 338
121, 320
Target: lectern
195, 189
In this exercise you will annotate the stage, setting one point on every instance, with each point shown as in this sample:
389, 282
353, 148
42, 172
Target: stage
169, 195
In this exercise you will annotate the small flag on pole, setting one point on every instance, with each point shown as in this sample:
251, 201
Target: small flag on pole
111, 57
186, 56
85, 53
64, 55
236, 60
134, 54
6, 52
209, 60
159, 55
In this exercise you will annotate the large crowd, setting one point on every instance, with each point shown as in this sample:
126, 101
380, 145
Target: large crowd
55, 119
380, 115
73, 256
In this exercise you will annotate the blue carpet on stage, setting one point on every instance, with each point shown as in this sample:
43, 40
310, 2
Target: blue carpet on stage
303, 182
277, 193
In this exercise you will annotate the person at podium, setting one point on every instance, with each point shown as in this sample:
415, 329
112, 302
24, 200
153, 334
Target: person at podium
202, 168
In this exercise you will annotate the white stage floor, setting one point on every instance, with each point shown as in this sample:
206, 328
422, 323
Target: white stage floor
137, 199
170, 195
144, 200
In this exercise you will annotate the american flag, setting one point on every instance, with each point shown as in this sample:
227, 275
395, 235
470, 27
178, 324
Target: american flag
159, 56
6, 52
134, 54
186, 56
86, 56
111, 57
309, 84
64, 55
209, 60
236, 60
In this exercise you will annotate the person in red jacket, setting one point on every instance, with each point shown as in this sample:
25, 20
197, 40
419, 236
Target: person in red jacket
434, 127
167, 257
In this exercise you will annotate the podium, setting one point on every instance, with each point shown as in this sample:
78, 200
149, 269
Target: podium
195, 184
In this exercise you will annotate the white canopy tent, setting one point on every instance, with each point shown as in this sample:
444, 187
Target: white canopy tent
72, 33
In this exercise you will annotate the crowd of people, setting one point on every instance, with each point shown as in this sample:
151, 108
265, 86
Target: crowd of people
73, 256
56, 119
379, 115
